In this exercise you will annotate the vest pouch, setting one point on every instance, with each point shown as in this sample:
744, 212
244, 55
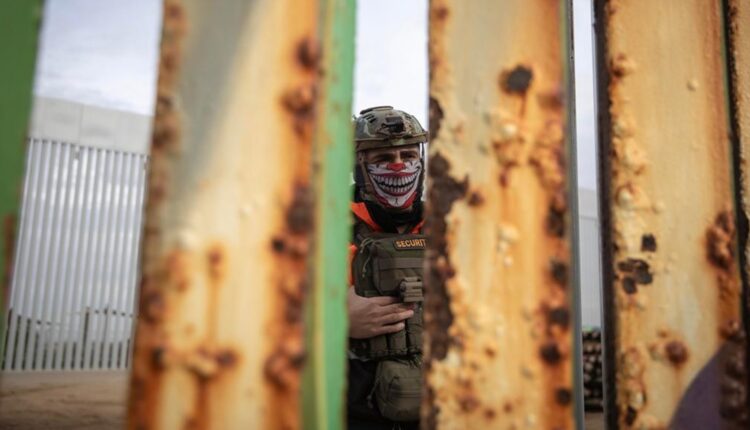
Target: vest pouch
398, 389
413, 331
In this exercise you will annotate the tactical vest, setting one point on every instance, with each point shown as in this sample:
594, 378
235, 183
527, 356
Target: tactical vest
387, 264
391, 265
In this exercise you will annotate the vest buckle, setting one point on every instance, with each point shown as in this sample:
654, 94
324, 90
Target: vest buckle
411, 289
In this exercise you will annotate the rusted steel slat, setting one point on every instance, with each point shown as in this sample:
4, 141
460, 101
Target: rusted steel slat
675, 343
229, 218
737, 13
326, 323
500, 330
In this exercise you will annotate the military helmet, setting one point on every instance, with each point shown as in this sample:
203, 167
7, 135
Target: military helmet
384, 126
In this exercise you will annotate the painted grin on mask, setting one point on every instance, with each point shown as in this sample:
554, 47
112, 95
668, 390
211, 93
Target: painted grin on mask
395, 184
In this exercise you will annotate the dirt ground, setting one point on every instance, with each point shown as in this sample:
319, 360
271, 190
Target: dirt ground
63, 400
82, 400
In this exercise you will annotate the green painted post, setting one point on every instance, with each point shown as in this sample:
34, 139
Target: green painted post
324, 381
19, 22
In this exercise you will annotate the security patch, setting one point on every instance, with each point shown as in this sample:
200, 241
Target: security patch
410, 244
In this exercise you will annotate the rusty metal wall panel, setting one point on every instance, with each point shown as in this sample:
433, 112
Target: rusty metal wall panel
230, 217
499, 318
326, 325
672, 281
737, 13
739, 16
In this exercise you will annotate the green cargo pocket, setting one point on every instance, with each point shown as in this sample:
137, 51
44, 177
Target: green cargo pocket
414, 332
398, 390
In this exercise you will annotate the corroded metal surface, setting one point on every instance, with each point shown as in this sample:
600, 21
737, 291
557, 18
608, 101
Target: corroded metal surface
672, 285
324, 381
499, 341
229, 217
737, 15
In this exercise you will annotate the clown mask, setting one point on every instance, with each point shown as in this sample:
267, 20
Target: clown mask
395, 184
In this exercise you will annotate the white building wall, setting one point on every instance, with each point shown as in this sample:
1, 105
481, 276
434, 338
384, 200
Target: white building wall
73, 291
90, 126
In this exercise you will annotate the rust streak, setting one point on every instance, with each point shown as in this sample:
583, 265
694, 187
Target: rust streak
658, 246
290, 246
309, 53
149, 348
438, 316
216, 258
497, 216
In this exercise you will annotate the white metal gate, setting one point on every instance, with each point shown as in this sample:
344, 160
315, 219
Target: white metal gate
75, 274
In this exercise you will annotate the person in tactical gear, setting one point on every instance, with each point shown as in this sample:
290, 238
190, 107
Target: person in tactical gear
387, 251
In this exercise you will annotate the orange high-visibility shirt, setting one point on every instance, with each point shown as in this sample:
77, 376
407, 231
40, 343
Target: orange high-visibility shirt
361, 212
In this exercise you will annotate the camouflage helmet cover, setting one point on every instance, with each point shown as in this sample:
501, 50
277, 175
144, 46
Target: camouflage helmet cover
384, 126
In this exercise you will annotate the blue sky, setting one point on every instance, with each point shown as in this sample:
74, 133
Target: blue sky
391, 57
104, 53
100, 52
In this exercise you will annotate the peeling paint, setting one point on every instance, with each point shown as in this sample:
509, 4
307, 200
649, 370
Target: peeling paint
737, 14
440, 316
229, 218
669, 235
498, 214
720, 241
648, 243
739, 61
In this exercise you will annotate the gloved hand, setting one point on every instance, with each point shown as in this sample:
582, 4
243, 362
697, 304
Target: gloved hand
373, 316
